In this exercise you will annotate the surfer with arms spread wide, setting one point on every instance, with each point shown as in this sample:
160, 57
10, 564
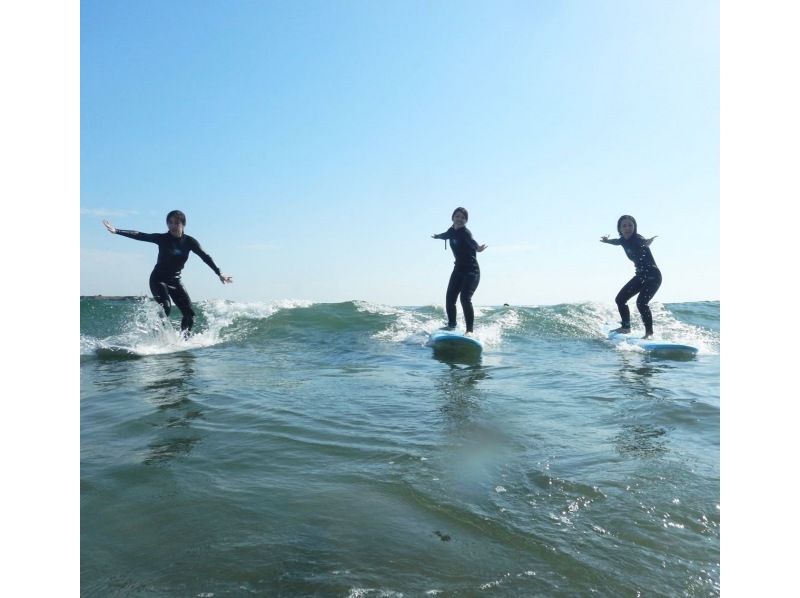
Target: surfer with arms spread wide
173, 251
646, 280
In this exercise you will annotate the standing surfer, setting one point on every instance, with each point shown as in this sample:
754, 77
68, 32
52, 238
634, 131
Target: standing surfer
173, 251
466, 272
647, 278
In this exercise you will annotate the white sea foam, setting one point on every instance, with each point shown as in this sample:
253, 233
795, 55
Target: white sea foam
412, 327
494, 584
376, 308
409, 327
361, 592
490, 328
598, 318
224, 312
148, 333
669, 328
590, 318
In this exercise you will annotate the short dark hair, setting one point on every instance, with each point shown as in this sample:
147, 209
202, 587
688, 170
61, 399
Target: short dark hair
179, 215
463, 211
626, 217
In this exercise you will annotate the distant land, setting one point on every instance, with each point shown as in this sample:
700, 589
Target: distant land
114, 297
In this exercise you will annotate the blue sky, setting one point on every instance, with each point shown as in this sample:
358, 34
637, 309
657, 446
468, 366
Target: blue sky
316, 146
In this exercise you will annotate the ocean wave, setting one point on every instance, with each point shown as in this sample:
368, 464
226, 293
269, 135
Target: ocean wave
138, 327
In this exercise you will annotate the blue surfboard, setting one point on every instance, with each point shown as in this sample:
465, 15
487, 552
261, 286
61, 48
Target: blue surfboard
454, 341
654, 346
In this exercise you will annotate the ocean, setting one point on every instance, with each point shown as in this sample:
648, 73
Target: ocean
293, 448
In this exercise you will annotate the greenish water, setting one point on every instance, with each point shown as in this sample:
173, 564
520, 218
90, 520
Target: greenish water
297, 449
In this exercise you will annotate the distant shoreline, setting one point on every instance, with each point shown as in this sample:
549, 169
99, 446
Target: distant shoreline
135, 297
114, 297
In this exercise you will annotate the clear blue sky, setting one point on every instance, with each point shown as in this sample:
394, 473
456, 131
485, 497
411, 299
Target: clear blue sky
316, 146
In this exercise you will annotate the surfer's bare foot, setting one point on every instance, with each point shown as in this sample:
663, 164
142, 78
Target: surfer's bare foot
622, 330
468, 333
647, 337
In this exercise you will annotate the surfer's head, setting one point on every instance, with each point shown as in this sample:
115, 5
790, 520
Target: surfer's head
176, 221
626, 226
460, 217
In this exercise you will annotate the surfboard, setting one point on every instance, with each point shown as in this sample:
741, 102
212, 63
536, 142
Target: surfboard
454, 341
654, 346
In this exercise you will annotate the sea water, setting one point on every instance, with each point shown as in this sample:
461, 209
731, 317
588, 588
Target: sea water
296, 448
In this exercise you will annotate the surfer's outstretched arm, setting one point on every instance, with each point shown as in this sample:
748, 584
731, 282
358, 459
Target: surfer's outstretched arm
605, 239
131, 234
195, 246
448, 234
445, 235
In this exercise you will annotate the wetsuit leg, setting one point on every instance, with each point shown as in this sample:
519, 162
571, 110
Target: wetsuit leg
651, 284
181, 298
453, 289
468, 286
633, 286
160, 293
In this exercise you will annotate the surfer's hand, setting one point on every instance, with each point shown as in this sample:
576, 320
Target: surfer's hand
481, 248
434, 236
650, 240
225, 279
604, 239
109, 226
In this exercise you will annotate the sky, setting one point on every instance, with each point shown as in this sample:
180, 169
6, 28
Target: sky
315, 147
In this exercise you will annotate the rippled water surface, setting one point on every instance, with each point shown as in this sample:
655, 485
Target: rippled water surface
292, 448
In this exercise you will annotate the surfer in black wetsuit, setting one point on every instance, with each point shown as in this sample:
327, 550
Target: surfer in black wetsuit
647, 278
466, 273
173, 251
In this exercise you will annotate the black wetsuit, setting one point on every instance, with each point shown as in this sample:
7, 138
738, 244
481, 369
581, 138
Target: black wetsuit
165, 280
465, 277
645, 282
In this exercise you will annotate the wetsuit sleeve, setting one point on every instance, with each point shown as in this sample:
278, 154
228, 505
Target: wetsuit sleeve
135, 234
470, 241
195, 246
614, 241
446, 234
